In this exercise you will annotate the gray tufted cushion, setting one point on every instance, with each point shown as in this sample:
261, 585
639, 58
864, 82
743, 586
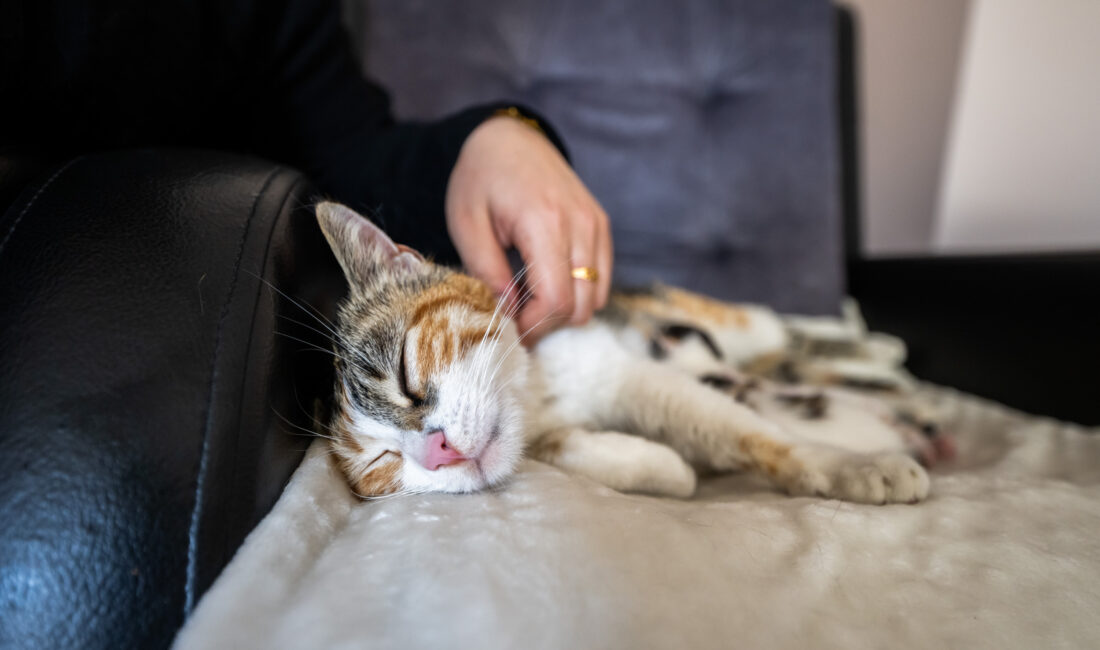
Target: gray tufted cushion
706, 128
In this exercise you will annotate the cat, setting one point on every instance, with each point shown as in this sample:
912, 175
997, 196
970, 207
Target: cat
435, 392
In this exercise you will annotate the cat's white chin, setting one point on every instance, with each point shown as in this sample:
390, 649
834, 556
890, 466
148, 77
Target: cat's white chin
499, 459
460, 477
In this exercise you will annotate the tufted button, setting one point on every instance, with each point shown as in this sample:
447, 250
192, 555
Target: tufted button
716, 96
721, 251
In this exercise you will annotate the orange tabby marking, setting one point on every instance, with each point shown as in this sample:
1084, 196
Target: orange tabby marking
438, 344
382, 478
672, 303
547, 447
705, 308
770, 456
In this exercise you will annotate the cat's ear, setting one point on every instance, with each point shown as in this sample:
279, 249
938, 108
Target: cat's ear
360, 246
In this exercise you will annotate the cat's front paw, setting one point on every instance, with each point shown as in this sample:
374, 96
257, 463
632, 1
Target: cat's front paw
660, 470
881, 478
623, 462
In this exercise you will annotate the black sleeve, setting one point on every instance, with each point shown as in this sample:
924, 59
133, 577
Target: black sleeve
337, 127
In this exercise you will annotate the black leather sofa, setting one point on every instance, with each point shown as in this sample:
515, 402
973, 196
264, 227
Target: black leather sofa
157, 368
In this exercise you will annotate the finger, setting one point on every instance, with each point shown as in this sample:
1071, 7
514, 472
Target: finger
604, 260
544, 249
482, 253
585, 233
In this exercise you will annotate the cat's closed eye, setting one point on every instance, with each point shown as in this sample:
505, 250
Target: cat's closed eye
415, 398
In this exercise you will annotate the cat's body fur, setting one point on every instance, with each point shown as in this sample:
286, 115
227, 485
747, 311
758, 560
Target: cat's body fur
435, 393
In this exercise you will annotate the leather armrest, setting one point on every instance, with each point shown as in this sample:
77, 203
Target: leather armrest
153, 380
1020, 329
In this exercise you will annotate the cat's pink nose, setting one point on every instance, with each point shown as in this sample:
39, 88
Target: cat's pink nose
440, 453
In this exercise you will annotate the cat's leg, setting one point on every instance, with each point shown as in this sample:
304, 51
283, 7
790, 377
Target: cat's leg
708, 428
914, 422
624, 462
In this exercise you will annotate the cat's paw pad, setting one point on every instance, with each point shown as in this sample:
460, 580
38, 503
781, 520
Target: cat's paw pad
866, 478
880, 478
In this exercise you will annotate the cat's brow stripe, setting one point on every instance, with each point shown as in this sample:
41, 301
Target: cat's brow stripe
431, 306
455, 289
438, 344
446, 343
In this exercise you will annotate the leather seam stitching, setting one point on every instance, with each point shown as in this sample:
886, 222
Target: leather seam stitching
33, 199
252, 331
196, 513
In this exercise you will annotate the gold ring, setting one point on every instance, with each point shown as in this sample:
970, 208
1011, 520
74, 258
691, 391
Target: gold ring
586, 273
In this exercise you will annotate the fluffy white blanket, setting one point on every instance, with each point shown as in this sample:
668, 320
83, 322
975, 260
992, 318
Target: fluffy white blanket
1005, 554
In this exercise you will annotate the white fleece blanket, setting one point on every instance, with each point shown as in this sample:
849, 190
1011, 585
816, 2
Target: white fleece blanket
1005, 554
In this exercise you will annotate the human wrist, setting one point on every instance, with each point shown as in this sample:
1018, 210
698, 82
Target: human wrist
520, 115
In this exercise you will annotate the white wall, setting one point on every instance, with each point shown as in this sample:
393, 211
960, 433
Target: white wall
909, 63
1022, 169
981, 125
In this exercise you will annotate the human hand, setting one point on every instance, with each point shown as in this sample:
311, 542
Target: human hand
511, 188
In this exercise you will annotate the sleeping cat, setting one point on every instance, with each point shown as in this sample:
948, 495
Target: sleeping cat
434, 392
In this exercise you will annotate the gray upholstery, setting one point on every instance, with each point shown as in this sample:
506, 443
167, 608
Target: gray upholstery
706, 128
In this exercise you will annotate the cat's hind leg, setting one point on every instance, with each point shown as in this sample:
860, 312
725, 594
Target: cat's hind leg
620, 461
827, 471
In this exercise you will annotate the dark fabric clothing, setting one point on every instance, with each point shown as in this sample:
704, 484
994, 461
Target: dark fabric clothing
274, 78
706, 129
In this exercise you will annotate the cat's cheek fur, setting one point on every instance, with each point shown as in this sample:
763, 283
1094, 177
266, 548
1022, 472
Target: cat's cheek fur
369, 431
368, 452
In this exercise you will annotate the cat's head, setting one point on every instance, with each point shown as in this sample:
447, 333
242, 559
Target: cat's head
430, 376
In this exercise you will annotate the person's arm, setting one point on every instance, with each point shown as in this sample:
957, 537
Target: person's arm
489, 181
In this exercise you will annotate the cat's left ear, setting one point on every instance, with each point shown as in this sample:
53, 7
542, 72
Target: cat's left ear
360, 246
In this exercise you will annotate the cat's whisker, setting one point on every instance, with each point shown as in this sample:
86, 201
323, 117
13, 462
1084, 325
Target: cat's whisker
334, 334
510, 314
509, 310
502, 301
529, 291
309, 345
316, 348
324, 426
483, 356
327, 336
304, 430
392, 495
499, 390
312, 311
340, 340
513, 345
308, 433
